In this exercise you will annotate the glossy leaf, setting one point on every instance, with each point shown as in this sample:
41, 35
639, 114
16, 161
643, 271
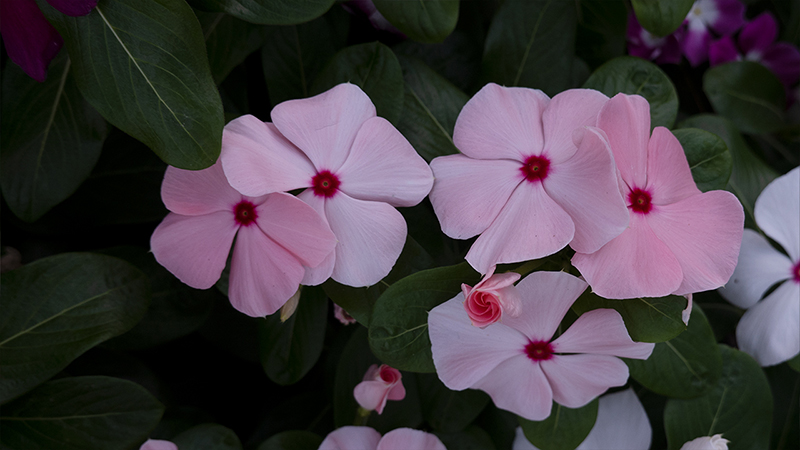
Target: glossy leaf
428, 21
445, 410
80, 413
51, 139
57, 308
269, 12
228, 41
292, 440
457, 58
209, 436
631, 75
661, 18
708, 156
142, 64
564, 429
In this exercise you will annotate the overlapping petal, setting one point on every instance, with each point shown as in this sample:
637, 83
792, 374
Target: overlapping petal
578, 379
408, 438
198, 192
601, 332
777, 212
519, 385
30, 40
669, 178
625, 119
770, 330
318, 274
695, 42
622, 424
351, 438
566, 112
759, 34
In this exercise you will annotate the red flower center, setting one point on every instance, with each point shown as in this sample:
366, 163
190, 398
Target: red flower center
539, 350
639, 200
796, 272
387, 374
325, 184
245, 213
535, 168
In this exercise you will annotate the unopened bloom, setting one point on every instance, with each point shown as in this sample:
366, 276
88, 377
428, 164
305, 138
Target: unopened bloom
715, 442
157, 444
492, 297
723, 16
662, 50
380, 383
366, 438
342, 315
517, 361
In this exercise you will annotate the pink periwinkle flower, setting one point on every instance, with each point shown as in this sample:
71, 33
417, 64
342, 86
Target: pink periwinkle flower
366, 438
30, 40
769, 330
531, 178
277, 237
725, 17
380, 383
679, 240
662, 50
157, 444
357, 168
518, 363
492, 297
715, 442
342, 316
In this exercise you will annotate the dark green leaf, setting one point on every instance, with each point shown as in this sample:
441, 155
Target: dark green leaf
472, 438
57, 308
785, 386
794, 363
631, 75
445, 410
748, 94
426, 21
142, 64
458, 58
269, 12
564, 429
601, 30
398, 333
81, 413
708, 158
228, 41
684, 367
208, 436
292, 440
51, 139
739, 407
531, 44
661, 18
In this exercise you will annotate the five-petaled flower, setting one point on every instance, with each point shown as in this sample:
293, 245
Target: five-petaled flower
380, 383
723, 16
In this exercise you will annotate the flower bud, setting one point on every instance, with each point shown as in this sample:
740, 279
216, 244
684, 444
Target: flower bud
494, 296
380, 384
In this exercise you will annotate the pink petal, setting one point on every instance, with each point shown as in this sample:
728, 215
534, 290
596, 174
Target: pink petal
722, 50
770, 330
384, 167
263, 274
626, 121
601, 332
622, 424
578, 379
777, 212
371, 395
73, 7
406, 439
194, 248
566, 112
317, 275
157, 444
669, 178
519, 385
783, 59
501, 123
696, 42
704, 233
258, 160
468, 194
530, 226
397, 392
324, 127
730, 16
30, 40
198, 192
759, 34
585, 186
634, 264
351, 438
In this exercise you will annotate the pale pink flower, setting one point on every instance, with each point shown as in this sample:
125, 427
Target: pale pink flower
492, 297
157, 444
366, 438
516, 361
380, 383
357, 167
277, 237
342, 315
531, 177
715, 442
679, 240
723, 16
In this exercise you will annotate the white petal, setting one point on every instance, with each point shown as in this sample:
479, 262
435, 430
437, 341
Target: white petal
770, 330
778, 212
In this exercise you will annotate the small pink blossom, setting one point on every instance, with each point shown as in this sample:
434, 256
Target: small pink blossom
342, 315
725, 17
380, 383
492, 297
715, 442
157, 444
366, 438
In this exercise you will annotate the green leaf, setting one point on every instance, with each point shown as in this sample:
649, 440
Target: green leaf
292, 440
208, 436
661, 18
531, 44
51, 139
739, 407
457, 59
56, 308
432, 106
472, 438
398, 333
647, 319
80, 413
684, 367
708, 156
269, 12
748, 94
228, 41
601, 30
631, 75
564, 429
428, 21
445, 410
374, 68
142, 64
290, 349
794, 363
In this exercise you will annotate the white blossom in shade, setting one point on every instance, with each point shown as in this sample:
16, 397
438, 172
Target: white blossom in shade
715, 442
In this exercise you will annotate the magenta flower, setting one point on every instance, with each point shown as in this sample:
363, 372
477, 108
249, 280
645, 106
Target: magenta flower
531, 179
662, 50
723, 16
679, 240
358, 168
380, 383
492, 297
157, 444
366, 438
519, 364
277, 236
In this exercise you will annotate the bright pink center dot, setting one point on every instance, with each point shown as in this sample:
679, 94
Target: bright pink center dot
539, 350
796, 272
245, 213
325, 184
640, 201
535, 168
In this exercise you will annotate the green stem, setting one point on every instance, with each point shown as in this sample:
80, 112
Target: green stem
362, 415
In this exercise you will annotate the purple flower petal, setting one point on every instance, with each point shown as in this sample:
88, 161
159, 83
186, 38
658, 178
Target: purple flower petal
696, 42
30, 40
730, 16
783, 59
73, 7
758, 35
722, 50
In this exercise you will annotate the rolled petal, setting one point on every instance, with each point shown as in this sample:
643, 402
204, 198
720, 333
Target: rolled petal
157, 444
468, 194
770, 330
519, 385
324, 127
30, 40
777, 212
73, 7
578, 379
695, 42
760, 266
407, 438
530, 226
371, 395
783, 59
397, 392
622, 424
194, 248
258, 160
729, 18
669, 178
566, 112
704, 233
198, 192
351, 438
759, 34
601, 332
626, 121
501, 123
722, 50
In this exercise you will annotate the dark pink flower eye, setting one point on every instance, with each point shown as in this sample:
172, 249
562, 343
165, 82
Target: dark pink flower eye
245, 213
539, 350
535, 168
796, 272
325, 184
640, 201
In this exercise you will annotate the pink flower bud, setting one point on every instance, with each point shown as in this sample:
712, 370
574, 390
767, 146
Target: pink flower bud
380, 384
494, 295
342, 315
